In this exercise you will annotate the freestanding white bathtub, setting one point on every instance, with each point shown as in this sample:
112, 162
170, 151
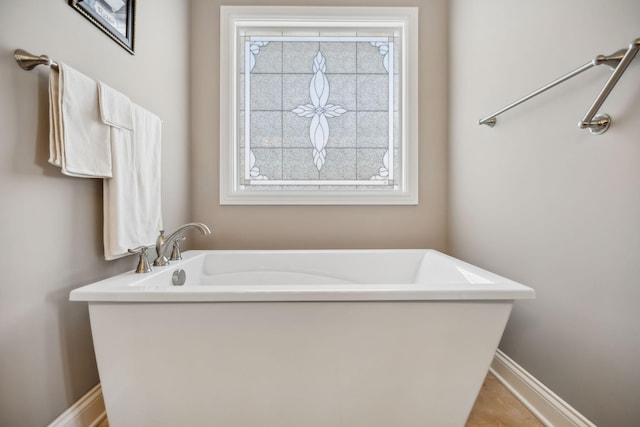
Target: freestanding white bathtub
355, 338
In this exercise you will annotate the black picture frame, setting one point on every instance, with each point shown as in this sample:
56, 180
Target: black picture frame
118, 24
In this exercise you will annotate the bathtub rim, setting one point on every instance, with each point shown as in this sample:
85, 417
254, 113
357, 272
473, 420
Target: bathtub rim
123, 288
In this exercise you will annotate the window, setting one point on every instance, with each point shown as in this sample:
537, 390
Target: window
318, 105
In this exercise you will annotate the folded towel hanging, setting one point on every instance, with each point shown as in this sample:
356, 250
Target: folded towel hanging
132, 202
78, 138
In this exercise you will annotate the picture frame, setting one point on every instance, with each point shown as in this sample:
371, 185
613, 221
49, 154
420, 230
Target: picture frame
116, 18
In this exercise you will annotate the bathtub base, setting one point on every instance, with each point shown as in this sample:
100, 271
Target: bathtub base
302, 364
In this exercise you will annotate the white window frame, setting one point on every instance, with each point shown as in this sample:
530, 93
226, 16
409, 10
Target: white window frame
233, 19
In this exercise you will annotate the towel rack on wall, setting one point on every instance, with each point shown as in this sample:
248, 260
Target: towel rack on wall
597, 124
28, 61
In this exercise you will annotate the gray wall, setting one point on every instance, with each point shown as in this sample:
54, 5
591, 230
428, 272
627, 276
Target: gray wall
51, 225
547, 204
273, 227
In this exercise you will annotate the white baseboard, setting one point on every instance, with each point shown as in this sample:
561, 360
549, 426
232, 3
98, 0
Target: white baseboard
87, 412
542, 402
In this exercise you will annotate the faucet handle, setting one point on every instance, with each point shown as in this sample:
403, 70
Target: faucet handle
175, 252
143, 262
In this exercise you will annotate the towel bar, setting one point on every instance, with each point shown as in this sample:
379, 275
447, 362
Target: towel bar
28, 61
597, 124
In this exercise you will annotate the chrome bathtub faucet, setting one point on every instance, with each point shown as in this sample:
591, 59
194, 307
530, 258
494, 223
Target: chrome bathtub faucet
162, 242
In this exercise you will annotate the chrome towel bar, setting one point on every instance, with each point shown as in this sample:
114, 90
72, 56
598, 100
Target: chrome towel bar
597, 124
28, 61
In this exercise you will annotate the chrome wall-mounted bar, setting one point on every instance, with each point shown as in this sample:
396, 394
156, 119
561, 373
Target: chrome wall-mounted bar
617, 61
28, 61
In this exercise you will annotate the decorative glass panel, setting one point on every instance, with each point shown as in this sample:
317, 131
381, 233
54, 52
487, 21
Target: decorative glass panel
318, 110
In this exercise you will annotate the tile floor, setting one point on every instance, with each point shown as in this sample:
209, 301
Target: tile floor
495, 407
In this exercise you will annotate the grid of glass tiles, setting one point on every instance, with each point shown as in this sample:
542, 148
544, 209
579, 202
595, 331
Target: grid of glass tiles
318, 112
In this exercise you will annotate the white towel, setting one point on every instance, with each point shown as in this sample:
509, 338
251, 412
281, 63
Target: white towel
132, 204
79, 142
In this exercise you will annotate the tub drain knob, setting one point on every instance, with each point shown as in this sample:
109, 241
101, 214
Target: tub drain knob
178, 277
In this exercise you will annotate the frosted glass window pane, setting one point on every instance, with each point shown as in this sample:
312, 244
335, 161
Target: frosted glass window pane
325, 96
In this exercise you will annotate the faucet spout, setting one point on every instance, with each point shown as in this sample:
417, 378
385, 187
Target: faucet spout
162, 242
